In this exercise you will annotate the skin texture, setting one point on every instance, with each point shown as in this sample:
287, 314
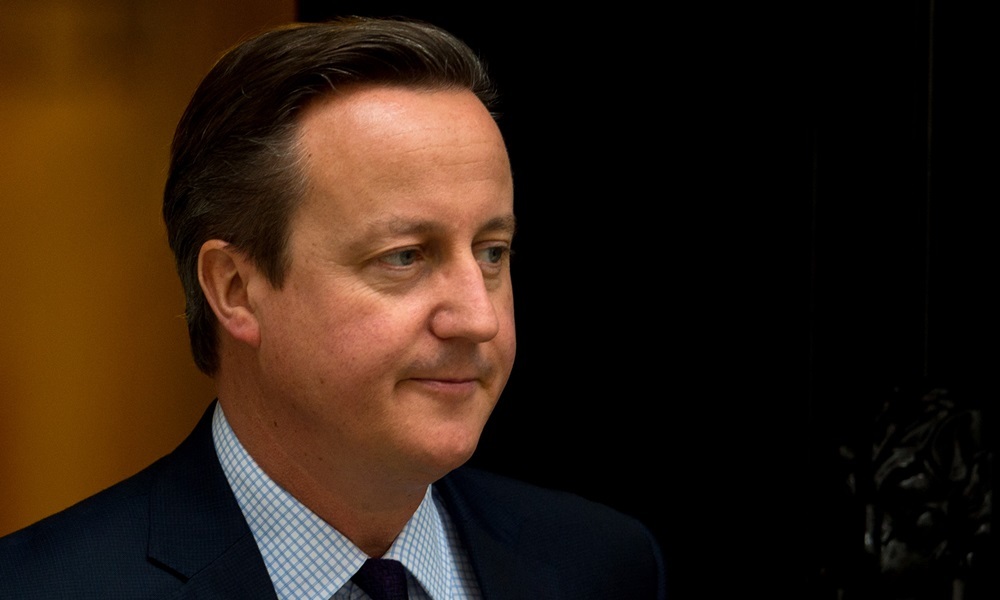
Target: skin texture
371, 372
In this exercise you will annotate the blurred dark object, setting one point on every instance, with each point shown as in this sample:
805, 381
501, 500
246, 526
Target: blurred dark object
927, 495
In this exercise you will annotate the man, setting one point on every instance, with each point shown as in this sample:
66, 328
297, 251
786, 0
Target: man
340, 205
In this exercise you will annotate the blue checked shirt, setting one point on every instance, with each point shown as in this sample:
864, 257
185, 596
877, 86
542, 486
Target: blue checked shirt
309, 559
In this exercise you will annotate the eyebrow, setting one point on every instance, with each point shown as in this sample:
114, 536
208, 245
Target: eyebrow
394, 225
400, 226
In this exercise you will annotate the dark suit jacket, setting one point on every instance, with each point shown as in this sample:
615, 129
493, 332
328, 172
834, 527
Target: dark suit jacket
174, 530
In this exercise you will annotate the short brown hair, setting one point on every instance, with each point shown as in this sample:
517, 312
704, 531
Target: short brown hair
233, 171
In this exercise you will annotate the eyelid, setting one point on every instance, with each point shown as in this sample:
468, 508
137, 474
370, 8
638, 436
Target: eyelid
391, 257
503, 247
384, 258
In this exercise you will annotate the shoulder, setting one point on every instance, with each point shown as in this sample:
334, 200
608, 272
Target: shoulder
89, 521
490, 492
105, 545
95, 540
577, 536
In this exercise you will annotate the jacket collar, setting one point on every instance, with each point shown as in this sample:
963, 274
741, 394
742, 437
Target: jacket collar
494, 537
197, 530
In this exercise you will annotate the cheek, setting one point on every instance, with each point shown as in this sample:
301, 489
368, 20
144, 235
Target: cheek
364, 337
313, 332
507, 338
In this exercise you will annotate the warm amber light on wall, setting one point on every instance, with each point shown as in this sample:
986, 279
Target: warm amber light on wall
95, 376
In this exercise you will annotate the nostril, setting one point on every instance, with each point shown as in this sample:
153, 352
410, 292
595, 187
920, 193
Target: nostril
473, 319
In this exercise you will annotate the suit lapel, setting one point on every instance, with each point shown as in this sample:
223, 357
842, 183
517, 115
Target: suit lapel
493, 537
238, 573
197, 529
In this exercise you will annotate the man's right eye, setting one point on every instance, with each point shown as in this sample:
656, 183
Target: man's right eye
401, 258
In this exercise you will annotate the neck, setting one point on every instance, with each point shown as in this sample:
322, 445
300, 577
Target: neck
362, 502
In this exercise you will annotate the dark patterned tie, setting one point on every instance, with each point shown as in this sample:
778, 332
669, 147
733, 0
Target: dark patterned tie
382, 579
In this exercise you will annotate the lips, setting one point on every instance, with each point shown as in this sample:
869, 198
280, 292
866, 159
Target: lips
448, 384
452, 370
451, 378
448, 388
448, 378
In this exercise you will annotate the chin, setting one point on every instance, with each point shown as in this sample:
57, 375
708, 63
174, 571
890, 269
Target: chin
448, 450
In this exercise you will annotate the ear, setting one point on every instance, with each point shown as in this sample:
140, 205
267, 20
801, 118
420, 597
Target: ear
225, 275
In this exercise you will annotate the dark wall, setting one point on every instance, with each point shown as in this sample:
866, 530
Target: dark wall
903, 323
741, 227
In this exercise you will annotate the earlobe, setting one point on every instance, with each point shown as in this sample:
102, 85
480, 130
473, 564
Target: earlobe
224, 274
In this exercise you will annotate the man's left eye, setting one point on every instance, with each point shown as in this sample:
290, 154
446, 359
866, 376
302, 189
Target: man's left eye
493, 254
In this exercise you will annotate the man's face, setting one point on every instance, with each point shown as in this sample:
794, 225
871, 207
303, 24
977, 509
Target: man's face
393, 334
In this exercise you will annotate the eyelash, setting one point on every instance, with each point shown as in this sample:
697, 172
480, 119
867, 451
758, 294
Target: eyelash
389, 258
504, 252
398, 253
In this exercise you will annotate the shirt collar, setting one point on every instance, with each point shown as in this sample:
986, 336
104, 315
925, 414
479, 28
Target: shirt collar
305, 556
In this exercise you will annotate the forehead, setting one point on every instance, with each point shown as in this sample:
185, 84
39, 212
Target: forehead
357, 120
393, 154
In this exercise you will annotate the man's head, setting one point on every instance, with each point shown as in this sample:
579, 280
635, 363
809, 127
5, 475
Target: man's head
234, 174
341, 207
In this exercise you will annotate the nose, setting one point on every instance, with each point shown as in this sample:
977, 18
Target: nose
465, 304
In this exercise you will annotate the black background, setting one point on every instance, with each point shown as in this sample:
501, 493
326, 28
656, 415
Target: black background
741, 226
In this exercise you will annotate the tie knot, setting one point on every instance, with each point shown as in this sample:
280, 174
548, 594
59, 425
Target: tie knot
382, 579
